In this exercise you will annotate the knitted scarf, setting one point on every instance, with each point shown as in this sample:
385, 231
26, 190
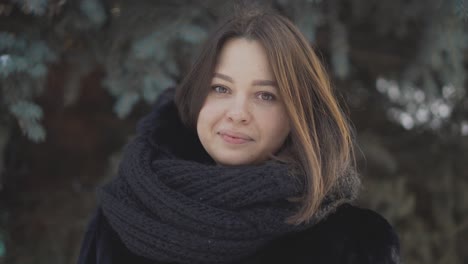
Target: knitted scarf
171, 203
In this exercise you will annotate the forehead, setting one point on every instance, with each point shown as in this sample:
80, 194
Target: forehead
244, 57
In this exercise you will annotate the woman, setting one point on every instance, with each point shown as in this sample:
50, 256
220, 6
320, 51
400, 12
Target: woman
249, 160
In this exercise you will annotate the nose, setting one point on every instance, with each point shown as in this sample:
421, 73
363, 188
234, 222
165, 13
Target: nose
238, 111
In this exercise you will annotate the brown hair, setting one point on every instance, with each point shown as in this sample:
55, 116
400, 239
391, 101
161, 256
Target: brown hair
320, 141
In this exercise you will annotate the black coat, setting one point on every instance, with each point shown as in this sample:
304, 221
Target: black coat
350, 235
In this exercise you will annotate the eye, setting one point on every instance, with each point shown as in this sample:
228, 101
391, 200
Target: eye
219, 89
266, 96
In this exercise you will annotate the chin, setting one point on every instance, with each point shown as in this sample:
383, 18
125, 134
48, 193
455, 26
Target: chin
235, 160
232, 162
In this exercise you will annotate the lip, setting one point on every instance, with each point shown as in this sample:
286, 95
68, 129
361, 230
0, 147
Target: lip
234, 137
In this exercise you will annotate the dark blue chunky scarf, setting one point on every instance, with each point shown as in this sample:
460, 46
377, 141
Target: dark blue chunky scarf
171, 203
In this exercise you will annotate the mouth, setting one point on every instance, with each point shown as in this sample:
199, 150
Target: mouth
234, 137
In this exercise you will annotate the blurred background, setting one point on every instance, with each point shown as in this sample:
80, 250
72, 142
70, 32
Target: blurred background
75, 76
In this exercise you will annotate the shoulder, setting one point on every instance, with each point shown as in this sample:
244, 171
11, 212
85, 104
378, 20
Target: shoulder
349, 235
101, 244
369, 236
360, 224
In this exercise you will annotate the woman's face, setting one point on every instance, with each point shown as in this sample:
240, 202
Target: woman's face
243, 119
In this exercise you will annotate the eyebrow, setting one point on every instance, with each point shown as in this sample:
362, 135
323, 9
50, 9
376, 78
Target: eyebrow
255, 82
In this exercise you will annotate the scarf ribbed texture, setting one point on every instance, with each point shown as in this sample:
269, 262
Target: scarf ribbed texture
171, 203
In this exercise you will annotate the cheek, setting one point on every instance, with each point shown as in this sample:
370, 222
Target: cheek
206, 118
202, 121
282, 129
275, 126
